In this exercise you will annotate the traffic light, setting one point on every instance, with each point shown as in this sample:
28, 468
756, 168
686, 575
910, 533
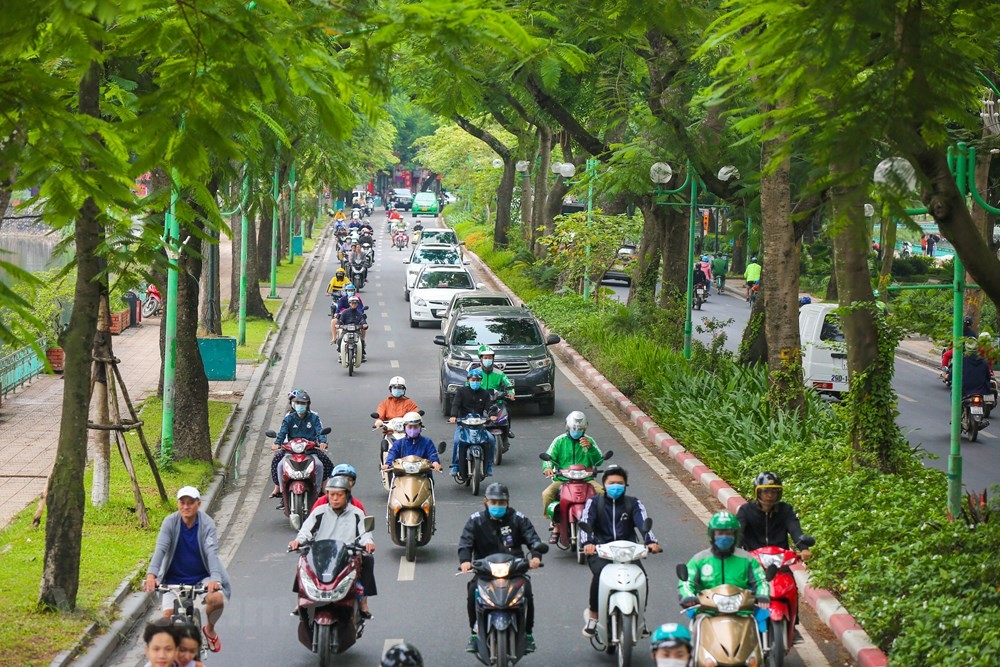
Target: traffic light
704, 222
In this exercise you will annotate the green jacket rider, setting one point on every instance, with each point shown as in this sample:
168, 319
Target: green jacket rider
723, 563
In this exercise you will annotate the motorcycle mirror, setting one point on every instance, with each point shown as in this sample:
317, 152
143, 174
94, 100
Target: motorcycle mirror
374, 415
647, 524
420, 412
544, 456
682, 571
271, 434
808, 541
326, 431
369, 523
608, 454
771, 570
584, 526
442, 446
542, 548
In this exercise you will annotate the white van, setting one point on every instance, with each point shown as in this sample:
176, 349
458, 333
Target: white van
824, 350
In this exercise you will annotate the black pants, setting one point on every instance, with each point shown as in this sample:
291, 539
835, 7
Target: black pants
529, 621
367, 575
597, 564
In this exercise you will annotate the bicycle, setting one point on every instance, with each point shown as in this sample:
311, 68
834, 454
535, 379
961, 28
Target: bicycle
720, 283
185, 611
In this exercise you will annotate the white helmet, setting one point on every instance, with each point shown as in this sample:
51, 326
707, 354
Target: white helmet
576, 421
397, 381
412, 418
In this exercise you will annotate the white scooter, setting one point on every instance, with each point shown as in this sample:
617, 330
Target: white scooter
621, 597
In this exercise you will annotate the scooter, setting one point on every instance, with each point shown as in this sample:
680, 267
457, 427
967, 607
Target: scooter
973, 416
573, 496
153, 304
369, 250
400, 240
301, 474
472, 440
499, 425
700, 296
501, 609
328, 607
724, 627
358, 272
351, 347
784, 607
392, 431
409, 513
621, 597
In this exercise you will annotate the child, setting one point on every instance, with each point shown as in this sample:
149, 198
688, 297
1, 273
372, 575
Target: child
670, 646
189, 646
161, 643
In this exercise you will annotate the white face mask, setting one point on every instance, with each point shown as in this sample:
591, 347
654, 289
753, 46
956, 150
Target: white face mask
671, 662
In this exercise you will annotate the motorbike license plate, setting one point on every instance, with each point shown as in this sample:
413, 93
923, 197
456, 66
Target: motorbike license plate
976, 409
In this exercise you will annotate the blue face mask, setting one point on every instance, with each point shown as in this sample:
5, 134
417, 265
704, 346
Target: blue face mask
487, 363
475, 385
576, 435
300, 409
615, 491
724, 542
497, 511
397, 393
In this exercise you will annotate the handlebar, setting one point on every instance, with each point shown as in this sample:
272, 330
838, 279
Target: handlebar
193, 589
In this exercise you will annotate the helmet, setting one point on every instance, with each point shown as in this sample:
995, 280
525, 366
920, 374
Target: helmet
704, 258
497, 491
971, 346
353, 299
614, 470
345, 470
967, 321
766, 480
670, 635
985, 338
412, 418
301, 396
697, 265
402, 655
476, 373
723, 521
486, 349
349, 287
338, 483
341, 272
753, 260
806, 300
397, 381
576, 420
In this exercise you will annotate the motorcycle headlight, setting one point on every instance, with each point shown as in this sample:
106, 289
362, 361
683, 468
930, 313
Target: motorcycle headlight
728, 604
500, 570
767, 560
541, 363
298, 447
395, 505
411, 468
419, 302
313, 592
576, 474
340, 590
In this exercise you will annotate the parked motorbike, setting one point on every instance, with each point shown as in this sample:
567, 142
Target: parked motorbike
153, 304
301, 474
906, 250
501, 608
700, 296
358, 273
724, 628
990, 399
573, 496
392, 431
351, 347
973, 416
473, 445
409, 514
621, 597
499, 417
328, 607
784, 607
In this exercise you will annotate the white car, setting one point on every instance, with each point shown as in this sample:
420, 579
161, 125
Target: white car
432, 292
437, 254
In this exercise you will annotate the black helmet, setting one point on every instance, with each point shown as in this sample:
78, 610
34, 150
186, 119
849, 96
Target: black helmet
614, 470
497, 491
301, 396
402, 655
766, 480
967, 321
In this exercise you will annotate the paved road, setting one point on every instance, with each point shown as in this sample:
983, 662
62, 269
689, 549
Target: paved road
424, 603
924, 401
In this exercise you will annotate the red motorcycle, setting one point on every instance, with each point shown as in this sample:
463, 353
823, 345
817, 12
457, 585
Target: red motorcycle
784, 608
573, 496
153, 303
301, 476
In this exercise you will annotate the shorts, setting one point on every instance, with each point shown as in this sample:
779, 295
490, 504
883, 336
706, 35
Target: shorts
169, 596
751, 283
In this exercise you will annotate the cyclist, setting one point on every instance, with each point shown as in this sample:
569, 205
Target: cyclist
572, 447
706, 268
751, 275
719, 267
766, 520
496, 379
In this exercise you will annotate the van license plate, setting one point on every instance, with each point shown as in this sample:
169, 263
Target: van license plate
976, 410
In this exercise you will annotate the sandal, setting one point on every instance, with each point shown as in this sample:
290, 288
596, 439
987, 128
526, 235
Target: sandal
275, 494
367, 615
553, 537
214, 643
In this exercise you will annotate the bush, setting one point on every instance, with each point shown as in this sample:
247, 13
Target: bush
913, 268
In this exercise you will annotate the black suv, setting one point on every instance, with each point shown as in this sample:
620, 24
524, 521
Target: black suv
402, 198
521, 353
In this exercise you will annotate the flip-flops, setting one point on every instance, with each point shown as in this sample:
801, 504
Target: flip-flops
214, 643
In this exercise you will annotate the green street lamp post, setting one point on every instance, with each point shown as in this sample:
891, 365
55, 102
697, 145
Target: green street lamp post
275, 228
171, 232
291, 214
591, 174
241, 335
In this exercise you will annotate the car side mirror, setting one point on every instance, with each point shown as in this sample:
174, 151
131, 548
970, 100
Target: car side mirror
461, 243
369, 523
552, 339
542, 548
374, 415
442, 446
421, 413
327, 430
271, 434
480, 285
682, 571
406, 261
545, 456
439, 340
466, 262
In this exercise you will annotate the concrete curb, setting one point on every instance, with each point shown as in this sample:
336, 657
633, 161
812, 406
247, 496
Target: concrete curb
826, 605
94, 647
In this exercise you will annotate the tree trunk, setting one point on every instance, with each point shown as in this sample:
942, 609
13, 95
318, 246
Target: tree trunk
264, 235
646, 268
541, 190
675, 252
66, 497
831, 286
505, 196
888, 245
100, 440
780, 278
255, 302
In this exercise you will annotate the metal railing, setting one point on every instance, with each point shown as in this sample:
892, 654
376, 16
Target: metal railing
20, 366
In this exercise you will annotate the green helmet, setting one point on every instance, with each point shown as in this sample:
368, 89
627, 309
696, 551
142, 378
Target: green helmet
723, 521
486, 349
670, 635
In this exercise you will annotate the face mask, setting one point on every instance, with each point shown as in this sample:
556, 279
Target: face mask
475, 385
497, 511
300, 409
487, 363
724, 542
412, 431
397, 393
671, 662
576, 435
615, 491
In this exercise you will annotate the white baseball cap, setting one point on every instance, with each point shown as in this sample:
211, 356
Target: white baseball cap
188, 491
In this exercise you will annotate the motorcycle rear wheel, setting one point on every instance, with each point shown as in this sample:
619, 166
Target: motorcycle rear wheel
324, 637
776, 657
623, 651
150, 307
969, 427
411, 544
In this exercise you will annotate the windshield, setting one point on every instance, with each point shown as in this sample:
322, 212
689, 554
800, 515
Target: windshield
496, 331
436, 256
831, 330
445, 280
441, 236
469, 301
328, 558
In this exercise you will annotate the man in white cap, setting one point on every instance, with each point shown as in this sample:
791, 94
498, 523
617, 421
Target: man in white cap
187, 552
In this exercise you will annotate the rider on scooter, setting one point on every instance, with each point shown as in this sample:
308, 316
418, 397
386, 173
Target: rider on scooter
347, 471
397, 404
499, 529
471, 398
494, 379
723, 563
572, 447
414, 444
299, 422
670, 645
767, 521
353, 315
611, 516
343, 303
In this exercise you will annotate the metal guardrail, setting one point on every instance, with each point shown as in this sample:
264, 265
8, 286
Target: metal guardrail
20, 366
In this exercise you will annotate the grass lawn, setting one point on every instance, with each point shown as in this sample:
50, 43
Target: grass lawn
286, 273
257, 330
113, 546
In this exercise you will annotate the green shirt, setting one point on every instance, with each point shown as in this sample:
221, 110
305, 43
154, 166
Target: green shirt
706, 570
752, 272
719, 266
565, 452
496, 380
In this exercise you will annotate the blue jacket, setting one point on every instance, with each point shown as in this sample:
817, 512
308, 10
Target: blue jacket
620, 519
352, 316
307, 426
342, 304
421, 446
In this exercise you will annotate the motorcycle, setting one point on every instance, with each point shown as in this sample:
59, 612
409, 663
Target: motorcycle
700, 296
351, 346
369, 251
301, 474
784, 607
418, 231
621, 597
573, 496
409, 513
392, 431
358, 273
400, 240
153, 304
499, 417
973, 416
724, 629
990, 398
906, 250
501, 609
472, 441
328, 607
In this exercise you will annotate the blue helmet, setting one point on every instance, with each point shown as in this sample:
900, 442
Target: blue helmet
350, 286
345, 470
806, 300
475, 373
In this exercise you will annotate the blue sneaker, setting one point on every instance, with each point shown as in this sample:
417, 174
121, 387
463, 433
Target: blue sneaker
454, 470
